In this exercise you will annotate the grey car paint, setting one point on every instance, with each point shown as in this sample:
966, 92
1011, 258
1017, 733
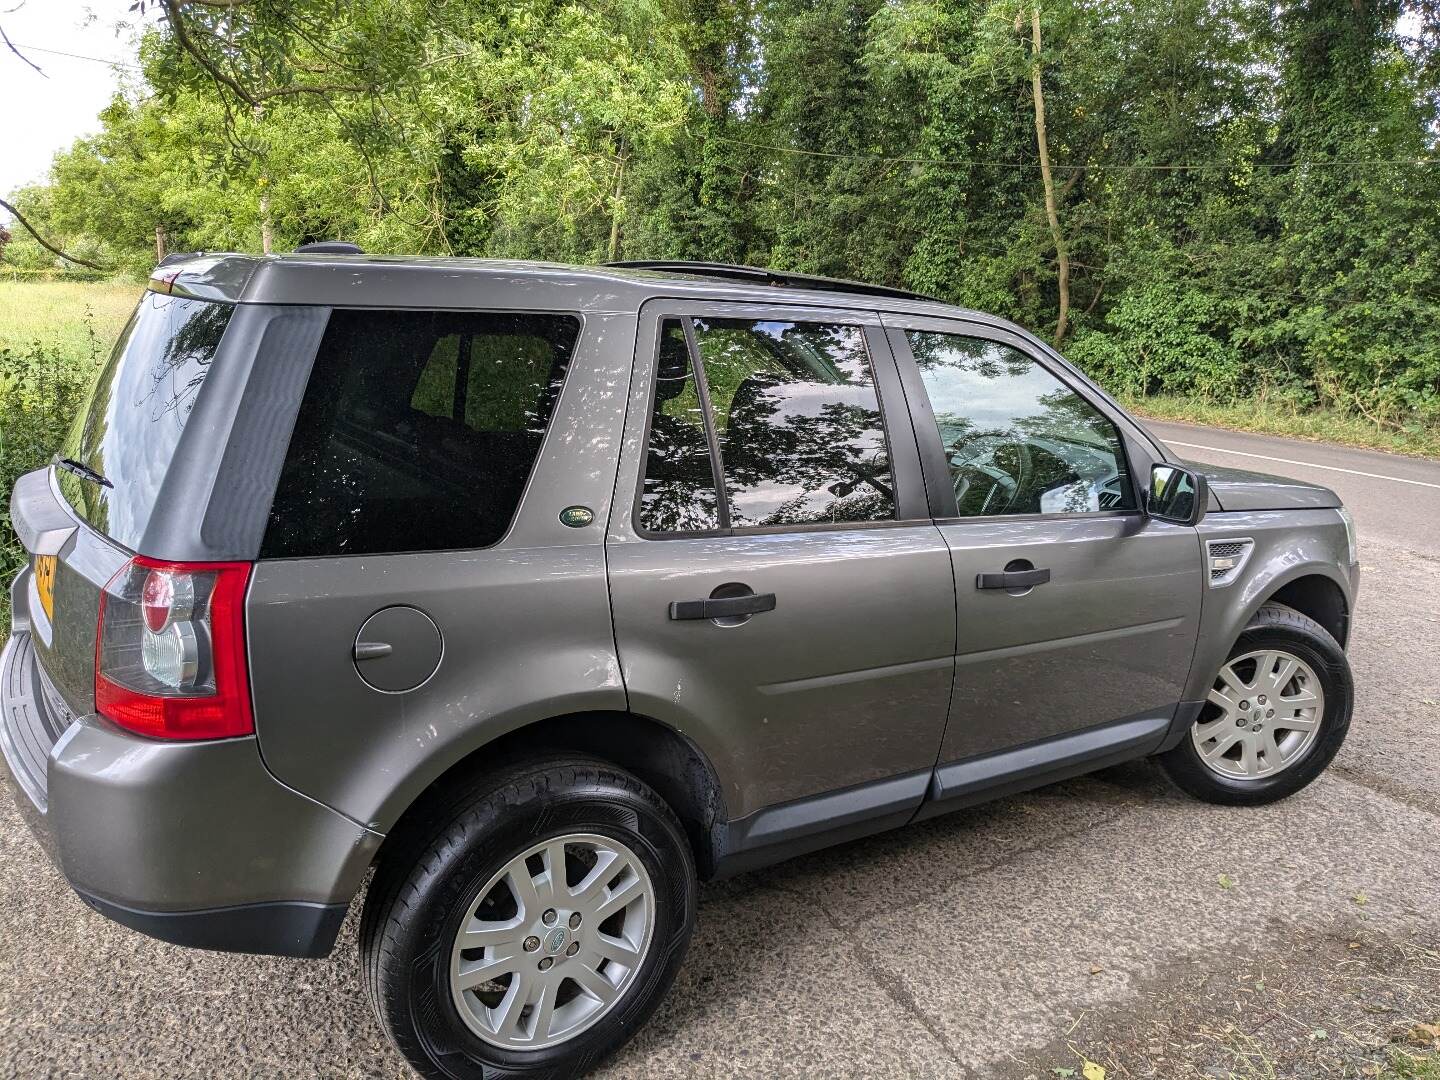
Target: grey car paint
1289, 546
525, 624
841, 719
156, 827
846, 681
1241, 489
1109, 637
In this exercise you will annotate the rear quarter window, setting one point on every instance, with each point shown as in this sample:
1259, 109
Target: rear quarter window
130, 430
418, 431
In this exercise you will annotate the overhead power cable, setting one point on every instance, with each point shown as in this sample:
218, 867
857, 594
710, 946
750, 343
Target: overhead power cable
78, 56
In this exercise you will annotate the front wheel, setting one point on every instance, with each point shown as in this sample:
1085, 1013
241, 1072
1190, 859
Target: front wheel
1273, 720
530, 927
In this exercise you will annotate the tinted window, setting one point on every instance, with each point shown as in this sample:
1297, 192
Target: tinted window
797, 420
130, 430
679, 490
418, 431
1018, 440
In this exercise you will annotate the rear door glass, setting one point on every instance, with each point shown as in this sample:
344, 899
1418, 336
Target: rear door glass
130, 430
796, 422
418, 431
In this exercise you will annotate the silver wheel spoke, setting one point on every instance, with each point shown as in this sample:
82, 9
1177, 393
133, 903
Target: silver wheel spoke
628, 892
489, 968
522, 887
612, 948
1249, 759
1225, 701
1221, 746
550, 886
478, 937
1237, 686
1296, 723
1273, 757
507, 1014
1300, 697
593, 983
592, 886
1284, 672
543, 1012
1215, 729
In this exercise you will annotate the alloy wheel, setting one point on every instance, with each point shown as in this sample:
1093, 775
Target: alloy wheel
552, 941
1261, 717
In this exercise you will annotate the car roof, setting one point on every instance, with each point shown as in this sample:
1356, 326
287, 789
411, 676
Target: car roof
423, 281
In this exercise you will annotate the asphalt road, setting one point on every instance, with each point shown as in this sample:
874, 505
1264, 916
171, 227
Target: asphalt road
1107, 918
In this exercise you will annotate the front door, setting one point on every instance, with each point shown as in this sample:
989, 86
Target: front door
1075, 609
779, 591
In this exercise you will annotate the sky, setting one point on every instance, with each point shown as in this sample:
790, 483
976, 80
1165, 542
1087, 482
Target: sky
38, 114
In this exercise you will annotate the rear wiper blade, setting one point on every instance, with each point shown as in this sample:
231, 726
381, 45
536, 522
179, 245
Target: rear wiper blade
82, 470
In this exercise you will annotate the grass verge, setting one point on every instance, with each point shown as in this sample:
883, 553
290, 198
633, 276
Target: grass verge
64, 314
1264, 418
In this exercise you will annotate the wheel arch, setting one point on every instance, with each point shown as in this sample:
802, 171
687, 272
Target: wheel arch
1317, 597
664, 758
1309, 585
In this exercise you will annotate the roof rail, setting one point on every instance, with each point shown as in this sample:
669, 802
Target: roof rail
329, 247
762, 276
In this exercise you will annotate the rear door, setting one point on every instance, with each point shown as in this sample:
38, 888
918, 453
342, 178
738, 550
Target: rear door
780, 594
1038, 478
419, 593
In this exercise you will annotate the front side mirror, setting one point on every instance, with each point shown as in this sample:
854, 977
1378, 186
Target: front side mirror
1177, 495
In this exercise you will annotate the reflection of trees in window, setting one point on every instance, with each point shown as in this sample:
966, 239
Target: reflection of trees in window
987, 359
797, 418
799, 422
836, 458
1055, 454
679, 492
181, 365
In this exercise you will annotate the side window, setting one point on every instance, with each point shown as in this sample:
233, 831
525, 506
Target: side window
679, 492
796, 418
1018, 440
418, 431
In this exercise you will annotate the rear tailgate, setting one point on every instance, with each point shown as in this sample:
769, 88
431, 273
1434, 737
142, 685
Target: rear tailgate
110, 489
73, 564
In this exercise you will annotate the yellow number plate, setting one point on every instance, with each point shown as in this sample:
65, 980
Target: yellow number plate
45, 583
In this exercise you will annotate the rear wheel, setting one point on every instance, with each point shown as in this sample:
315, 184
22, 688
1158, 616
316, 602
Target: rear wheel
1275, 716
532, 925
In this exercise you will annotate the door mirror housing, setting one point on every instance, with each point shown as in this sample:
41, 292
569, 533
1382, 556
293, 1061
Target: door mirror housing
1176, 495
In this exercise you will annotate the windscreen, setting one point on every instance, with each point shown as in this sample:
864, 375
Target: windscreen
128, 433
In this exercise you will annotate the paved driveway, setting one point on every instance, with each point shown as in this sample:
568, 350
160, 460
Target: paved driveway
1107, 918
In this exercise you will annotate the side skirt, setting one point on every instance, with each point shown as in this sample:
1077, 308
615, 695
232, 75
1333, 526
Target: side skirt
974, 780
782, 832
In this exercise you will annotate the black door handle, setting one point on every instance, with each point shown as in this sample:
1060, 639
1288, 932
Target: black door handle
1012, 579
722, 607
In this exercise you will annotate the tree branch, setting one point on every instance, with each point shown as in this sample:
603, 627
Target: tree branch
253, 98
45, 243
11, 46
183, 39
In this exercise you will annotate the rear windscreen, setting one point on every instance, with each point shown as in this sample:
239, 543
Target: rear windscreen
418, 431
130, 429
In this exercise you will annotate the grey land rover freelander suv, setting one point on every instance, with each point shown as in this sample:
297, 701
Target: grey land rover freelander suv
548, 592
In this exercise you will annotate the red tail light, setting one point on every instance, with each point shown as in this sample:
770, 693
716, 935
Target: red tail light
170, 650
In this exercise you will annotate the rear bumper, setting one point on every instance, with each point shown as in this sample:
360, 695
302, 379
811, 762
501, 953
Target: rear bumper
193, 843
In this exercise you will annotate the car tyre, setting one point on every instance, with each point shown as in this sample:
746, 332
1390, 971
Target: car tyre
431, 877
1286, 633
